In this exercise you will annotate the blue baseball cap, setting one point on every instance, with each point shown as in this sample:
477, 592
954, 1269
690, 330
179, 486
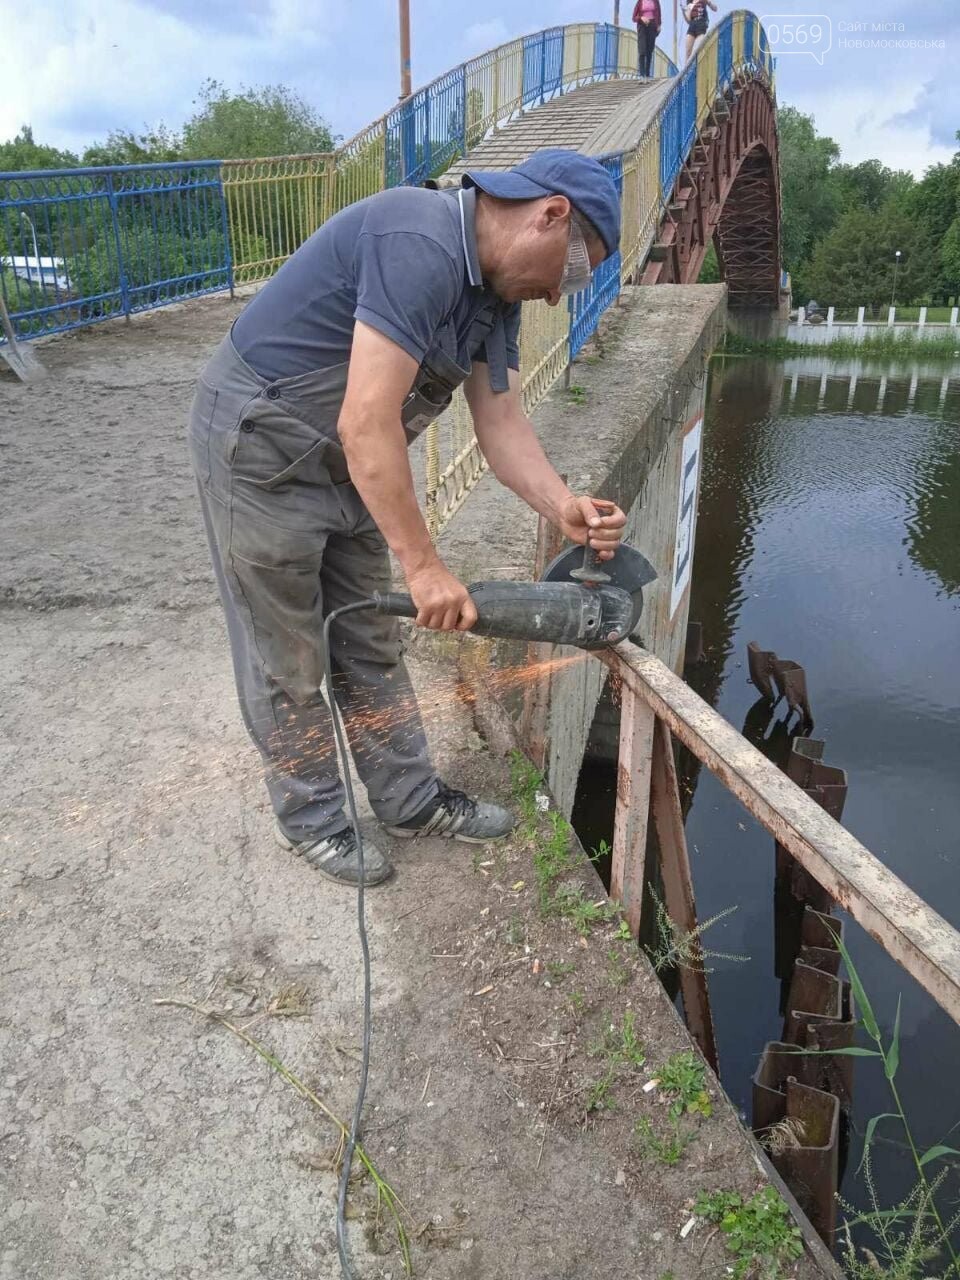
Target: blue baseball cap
557, 171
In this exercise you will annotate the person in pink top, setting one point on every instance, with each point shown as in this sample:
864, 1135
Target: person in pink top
646, 14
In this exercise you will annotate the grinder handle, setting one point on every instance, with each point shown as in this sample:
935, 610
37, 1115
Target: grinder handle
592, 570
396, 603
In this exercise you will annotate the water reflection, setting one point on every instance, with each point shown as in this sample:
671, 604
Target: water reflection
829, 531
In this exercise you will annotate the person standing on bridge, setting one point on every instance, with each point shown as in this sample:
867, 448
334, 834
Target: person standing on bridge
646, 15
698, 20
299, 432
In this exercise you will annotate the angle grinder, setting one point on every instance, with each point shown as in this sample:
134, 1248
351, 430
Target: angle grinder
580, 600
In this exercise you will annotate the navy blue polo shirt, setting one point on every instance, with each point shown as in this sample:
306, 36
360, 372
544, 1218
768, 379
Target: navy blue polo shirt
405, 263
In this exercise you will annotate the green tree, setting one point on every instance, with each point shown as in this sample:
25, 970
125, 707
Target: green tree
950, 257
869, 185
810, 201
854, 263
269, 121
935, 202
710, 271
123, 147
22, 153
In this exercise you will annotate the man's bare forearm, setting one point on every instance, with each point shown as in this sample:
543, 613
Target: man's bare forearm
380, 470
518, 461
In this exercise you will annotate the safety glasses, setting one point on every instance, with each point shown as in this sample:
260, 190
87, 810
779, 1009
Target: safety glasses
577, 271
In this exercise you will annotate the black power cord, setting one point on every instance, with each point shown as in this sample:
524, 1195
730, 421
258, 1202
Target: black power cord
362, 928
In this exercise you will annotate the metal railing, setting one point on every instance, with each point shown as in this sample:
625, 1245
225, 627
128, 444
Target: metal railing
81, 245
77, 246
422, 136
550, 338
908, 929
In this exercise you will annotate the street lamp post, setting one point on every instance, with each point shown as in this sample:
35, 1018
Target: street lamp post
405, 85
676, 53
896, 268
36, 250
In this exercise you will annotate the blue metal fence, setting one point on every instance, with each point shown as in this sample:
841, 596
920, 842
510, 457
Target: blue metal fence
749, 37
606, 50
587, 306
725, 52
79, 245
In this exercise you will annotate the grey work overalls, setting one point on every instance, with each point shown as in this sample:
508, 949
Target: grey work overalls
291, 541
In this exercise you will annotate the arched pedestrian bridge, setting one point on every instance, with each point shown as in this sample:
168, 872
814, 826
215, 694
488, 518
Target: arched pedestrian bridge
693, 153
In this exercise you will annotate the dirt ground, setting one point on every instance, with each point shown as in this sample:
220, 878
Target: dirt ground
143, 1139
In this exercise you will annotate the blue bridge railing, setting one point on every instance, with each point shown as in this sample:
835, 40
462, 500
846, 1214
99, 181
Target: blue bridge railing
82, 245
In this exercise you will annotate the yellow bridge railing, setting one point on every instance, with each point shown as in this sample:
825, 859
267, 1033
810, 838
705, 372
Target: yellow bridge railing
273, 205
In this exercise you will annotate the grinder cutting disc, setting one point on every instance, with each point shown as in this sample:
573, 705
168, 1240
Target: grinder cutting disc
628, 570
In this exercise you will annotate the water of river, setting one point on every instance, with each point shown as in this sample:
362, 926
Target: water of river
829, 531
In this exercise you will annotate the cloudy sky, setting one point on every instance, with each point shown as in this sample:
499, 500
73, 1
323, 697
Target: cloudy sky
75, 69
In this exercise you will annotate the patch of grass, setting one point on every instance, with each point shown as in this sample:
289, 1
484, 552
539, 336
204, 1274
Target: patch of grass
620, 1045
599, 1097
571, 903
683, 1080
617, 971
624, 933
914, 1230
758, 1232
577, 394
557, 970
907, 1239
525, 778
667, 1150
553, 859
884, 343
578, 1002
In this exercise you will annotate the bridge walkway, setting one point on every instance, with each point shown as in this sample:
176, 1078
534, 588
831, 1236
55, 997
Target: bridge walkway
611, 116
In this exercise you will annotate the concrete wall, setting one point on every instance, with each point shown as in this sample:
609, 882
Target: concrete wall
640, 388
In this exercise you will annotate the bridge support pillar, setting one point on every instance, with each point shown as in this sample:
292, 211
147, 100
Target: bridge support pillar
758, 324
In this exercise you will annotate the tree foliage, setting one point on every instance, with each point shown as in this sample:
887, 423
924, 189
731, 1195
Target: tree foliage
123, 147
855, 262
843, 223
270, 121
21, 153
810, 201
266, 121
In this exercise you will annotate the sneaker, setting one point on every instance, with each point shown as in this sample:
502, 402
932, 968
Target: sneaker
453, 813
338, 858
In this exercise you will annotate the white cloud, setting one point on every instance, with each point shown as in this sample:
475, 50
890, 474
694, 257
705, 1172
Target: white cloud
76, 72
481, 36
863, 120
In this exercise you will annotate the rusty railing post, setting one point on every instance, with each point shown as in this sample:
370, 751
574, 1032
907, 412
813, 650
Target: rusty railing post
678, 887
536, 694
634, 767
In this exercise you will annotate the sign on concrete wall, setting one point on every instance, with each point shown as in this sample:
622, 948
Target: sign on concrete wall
686, 510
